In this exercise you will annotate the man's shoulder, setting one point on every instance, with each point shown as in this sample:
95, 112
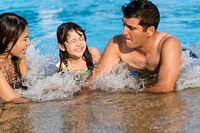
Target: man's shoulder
170, 44
166, 39
114, 45
117, 38
116, 42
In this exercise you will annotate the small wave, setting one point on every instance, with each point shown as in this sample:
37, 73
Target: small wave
45, 84
190, 71
45, 12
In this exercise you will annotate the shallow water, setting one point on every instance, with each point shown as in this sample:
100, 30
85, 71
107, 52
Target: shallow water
101, 112
115, 108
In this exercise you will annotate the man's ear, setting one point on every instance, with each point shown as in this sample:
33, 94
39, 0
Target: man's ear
62, 48
151, 30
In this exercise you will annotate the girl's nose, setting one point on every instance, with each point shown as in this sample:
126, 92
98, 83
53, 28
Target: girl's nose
28, 42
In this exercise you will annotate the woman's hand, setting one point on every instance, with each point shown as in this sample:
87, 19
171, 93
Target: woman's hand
19, 100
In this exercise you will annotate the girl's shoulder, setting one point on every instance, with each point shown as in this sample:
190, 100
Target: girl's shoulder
94, 50
95, 54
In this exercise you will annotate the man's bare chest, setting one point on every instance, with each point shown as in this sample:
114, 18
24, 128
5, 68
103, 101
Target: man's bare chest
141, 62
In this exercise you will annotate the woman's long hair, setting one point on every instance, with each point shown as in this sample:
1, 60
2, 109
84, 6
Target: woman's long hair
11, 28
62, 33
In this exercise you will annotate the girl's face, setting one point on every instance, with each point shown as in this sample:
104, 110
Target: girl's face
21, 45
76, 44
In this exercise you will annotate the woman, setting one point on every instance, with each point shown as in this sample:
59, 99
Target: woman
13, 44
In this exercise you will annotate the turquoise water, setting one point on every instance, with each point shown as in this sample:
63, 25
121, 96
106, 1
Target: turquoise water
102, 19
115, 109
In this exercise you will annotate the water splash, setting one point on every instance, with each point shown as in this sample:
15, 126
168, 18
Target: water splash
190, 72
120, 79
45, 83
42, 79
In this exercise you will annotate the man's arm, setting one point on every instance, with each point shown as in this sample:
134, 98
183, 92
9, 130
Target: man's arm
109, 58
171, 59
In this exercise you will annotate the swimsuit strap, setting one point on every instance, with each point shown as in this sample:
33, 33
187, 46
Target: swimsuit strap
84, 73
63, 66
68, 66
15, 80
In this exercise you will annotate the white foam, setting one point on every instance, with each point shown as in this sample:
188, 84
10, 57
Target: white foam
45, 84
190, 72
119, 80
42, 79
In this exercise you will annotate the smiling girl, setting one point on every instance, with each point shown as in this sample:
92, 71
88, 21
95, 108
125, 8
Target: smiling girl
75, 56
13, 44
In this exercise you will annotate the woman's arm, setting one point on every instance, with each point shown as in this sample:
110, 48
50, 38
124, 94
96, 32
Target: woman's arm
7, 93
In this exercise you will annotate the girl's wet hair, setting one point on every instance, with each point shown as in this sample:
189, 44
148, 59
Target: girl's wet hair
11, 28
144, 10
62, 33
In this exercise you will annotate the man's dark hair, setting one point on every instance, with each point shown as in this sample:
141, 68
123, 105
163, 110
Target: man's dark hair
144, 10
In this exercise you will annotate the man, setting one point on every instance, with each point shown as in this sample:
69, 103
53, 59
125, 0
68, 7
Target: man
143, 48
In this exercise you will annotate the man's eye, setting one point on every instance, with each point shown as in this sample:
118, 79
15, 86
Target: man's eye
131, 28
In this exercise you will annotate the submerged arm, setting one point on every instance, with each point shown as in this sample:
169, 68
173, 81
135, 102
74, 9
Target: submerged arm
7, 93
171, 55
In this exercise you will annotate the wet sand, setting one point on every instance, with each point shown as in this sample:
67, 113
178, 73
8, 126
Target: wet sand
99, 112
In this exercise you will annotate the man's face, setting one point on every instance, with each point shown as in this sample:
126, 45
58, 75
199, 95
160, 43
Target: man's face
134, 34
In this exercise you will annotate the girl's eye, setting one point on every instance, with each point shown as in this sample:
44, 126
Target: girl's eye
82, 39
72, 41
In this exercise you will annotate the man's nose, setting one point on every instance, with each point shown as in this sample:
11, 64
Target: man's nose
124, 32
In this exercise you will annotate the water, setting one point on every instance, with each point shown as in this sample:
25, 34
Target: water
117, 107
